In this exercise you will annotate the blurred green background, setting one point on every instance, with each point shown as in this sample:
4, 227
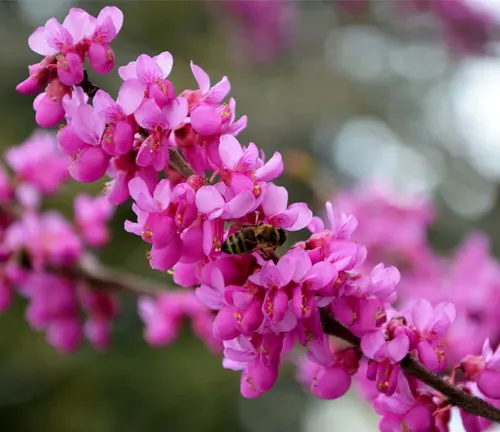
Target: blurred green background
374, 96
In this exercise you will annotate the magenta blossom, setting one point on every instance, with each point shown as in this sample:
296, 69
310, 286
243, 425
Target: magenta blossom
278, 213
404, 411
34, 157
147, 78
91, 216
431, 325
158, 123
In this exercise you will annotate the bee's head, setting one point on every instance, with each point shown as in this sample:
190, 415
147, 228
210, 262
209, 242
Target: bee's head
281, 236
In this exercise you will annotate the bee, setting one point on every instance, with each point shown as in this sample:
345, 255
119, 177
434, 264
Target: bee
254, 238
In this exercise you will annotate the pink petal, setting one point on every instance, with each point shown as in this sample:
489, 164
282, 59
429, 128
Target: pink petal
428, 356
264, 377
85, 124
49, 112
275, 200
331, 383
184, 275
123, 137
147, 70
209, 296
130, 96
422, 313
319, 353
444, 315
105, 30
73, 73
102, 101
128, 72
176, 112
38, 43
208, 199
165, 61
398, 348
146, 156
149, 115
237, 126
240, 205
230, 151
90, 165
489, 383
205, 120
57, 36
140, 193
162, 194
316, 225
219, 91
272, 168
225, 325
247, 388
79, 23
164, 259
302, 216
418, 419
114, 13
101, 58
201, 78
371, 343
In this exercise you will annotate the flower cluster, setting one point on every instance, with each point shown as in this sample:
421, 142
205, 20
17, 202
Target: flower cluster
213, 216
65, 47
36, 243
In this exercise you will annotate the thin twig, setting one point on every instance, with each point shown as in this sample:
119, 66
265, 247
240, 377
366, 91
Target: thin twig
455, 396
178, 163
98, 276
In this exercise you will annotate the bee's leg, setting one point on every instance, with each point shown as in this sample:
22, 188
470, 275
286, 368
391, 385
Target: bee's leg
269, 254
257, 216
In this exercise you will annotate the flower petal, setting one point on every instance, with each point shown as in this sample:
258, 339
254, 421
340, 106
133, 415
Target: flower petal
201, 78
275, 200
230, 151
130, 96
38, 43
208, 199
147, 70
165, 61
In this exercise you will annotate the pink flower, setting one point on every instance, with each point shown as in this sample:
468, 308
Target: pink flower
147, 78
34, 158
106, 26
333, 379
488, 380
163, 318
259, 358
48, 238
404, 411
117, 137
274, 278
292, 218
159, 124
431, 325
375, 346
92, 215
48, 105
207, 94
90, 160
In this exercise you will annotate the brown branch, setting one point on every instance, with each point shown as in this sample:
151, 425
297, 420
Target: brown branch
454, 395
98, 276
178, 163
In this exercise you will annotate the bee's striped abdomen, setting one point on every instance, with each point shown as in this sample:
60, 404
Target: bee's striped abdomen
240, 242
